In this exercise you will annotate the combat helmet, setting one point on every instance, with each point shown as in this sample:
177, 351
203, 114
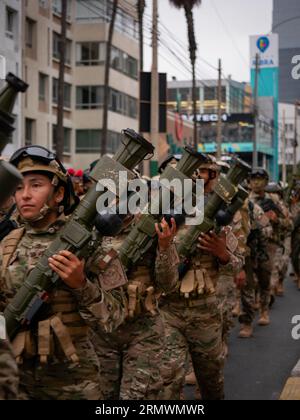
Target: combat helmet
259, 173
39, 159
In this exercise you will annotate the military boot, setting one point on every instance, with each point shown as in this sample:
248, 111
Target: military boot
264, 318
279, 289
190, 378
246, 331
236, 309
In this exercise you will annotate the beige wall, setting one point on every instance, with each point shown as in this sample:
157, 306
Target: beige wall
41, 61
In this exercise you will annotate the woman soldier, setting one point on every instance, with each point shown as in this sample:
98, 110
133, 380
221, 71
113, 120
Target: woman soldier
56, 359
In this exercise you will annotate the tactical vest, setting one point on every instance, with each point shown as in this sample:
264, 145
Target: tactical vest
62, 324
141, 295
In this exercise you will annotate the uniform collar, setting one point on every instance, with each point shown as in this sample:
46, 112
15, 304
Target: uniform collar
52, 228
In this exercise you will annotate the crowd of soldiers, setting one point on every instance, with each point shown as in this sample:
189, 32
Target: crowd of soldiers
140, 335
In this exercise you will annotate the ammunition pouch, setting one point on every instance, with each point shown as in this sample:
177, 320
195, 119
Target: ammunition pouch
54, 336
199, 279
141, 294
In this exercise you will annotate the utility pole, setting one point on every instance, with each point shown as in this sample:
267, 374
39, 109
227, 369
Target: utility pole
283, 154
219, 123
154, 129
255, 113
295, 143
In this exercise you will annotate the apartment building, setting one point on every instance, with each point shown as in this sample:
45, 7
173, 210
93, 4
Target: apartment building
11, 56
87, 34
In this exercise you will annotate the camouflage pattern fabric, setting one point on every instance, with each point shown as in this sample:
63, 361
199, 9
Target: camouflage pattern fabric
130, 358
258, 265
194, 323
226, 288
60, 378
9, 378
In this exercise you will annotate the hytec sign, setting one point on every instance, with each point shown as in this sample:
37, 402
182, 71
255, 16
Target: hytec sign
204, 117
266, 46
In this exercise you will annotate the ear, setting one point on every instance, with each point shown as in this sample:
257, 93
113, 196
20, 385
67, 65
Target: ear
59, 194
212, 174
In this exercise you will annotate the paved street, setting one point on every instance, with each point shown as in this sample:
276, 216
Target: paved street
257, 368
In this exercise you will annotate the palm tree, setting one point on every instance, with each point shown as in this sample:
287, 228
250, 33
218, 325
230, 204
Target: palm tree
106, 76
61, 76
188, 10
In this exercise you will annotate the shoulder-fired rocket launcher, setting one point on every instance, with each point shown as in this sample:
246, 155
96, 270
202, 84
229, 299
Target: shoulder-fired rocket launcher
78, 235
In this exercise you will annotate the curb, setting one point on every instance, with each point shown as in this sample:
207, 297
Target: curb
291, 389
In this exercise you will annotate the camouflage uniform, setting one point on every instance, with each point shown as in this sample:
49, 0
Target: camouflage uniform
9, 379
257, 263
130, 357
226, 288
193, 321
48, 353
283, 251
275, 242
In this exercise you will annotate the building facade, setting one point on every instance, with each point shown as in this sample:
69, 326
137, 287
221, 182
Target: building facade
289, 116
286, 23
11, 30
85, 51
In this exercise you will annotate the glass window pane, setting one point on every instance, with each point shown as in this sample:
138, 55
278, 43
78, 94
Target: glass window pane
94, 46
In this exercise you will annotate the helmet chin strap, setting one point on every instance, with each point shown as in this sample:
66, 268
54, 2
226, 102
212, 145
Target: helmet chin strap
45, 210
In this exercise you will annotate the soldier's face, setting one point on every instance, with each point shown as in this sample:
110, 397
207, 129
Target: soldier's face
257, 184
35, 191
204, 174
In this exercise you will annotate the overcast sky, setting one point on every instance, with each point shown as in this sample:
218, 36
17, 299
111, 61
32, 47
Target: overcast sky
222, 29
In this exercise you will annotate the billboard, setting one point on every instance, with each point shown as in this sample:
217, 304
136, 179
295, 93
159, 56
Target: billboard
266, 47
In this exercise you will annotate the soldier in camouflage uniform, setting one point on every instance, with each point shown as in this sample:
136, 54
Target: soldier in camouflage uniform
282, 256
192, 312
7, 217
55, 356
257, 263
130, 357
273, 210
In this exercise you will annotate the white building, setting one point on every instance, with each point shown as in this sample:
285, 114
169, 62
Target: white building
11, 56
287, 129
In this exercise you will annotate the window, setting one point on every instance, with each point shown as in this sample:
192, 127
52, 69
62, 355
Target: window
113, 141
210, 93
55, 48
172, 94
11, 22
88, 141
89, 97
67, 93
57, 8
123, 104
44, 4
90, 53
29, 32
101, 10
123, 62
43, 83
29, 131
67, 138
